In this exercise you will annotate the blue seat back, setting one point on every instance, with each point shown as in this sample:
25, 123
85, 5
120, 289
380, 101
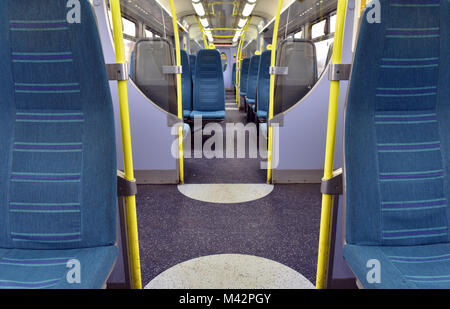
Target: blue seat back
245, 65
397, 127
233, 74
57, 145
192, 60
263, 89
130, 65
186, 81
209, 88
252, 80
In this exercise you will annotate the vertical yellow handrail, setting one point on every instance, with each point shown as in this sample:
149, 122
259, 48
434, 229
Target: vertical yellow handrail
238, 70
327, 200
132, 228
272, 91
205, 41
179, 94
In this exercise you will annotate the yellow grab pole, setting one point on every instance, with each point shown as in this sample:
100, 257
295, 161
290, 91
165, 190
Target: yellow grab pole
179, 94
238, 71
132, 227
224, 29
327, 205
205, 41
272, 91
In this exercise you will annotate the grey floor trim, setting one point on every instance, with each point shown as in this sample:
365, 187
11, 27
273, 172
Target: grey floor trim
156, 177
297, 176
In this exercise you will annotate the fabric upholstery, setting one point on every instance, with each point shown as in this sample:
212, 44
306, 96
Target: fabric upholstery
397, 143
186, 83
209, 88
233, 74
57, 144
245, 66
252, 80
263, 89
192, 60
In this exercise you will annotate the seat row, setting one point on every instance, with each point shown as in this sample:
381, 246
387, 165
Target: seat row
298, 59
203, 88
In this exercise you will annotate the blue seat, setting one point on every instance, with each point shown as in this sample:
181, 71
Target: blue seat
186, 83
397, 148
252, 79
192, 60
233, 75
245, 65
209, 88
130, 66
263, 89
57, 149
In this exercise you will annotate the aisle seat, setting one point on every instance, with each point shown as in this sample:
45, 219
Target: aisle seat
186, 83
209, 88
263, 89
233, 75
192, 60
58, 187
252, 80
245, 65
397, 148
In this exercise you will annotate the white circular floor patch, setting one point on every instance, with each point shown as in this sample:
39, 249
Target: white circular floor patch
230, 271
226, 193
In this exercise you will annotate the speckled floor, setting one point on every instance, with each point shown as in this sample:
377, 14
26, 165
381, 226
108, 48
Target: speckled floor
282, 226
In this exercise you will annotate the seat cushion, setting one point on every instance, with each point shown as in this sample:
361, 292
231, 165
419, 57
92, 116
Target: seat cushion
209, 115
39, 269
261, 114
186, 113
423, 267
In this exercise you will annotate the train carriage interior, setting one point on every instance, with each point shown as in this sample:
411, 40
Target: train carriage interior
235, 144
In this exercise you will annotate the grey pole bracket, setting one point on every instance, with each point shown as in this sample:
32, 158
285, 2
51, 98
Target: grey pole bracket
333, 186
339, 72
172, 69
277, 120
117, 71
279, 70
125, 187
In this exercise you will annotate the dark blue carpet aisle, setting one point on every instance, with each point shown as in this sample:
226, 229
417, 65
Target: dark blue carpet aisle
283, 227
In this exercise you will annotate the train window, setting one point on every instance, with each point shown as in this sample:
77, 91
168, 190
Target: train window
298, 35
318, 29
129, 27
322, 52
332, 23
129, 45
148, 33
